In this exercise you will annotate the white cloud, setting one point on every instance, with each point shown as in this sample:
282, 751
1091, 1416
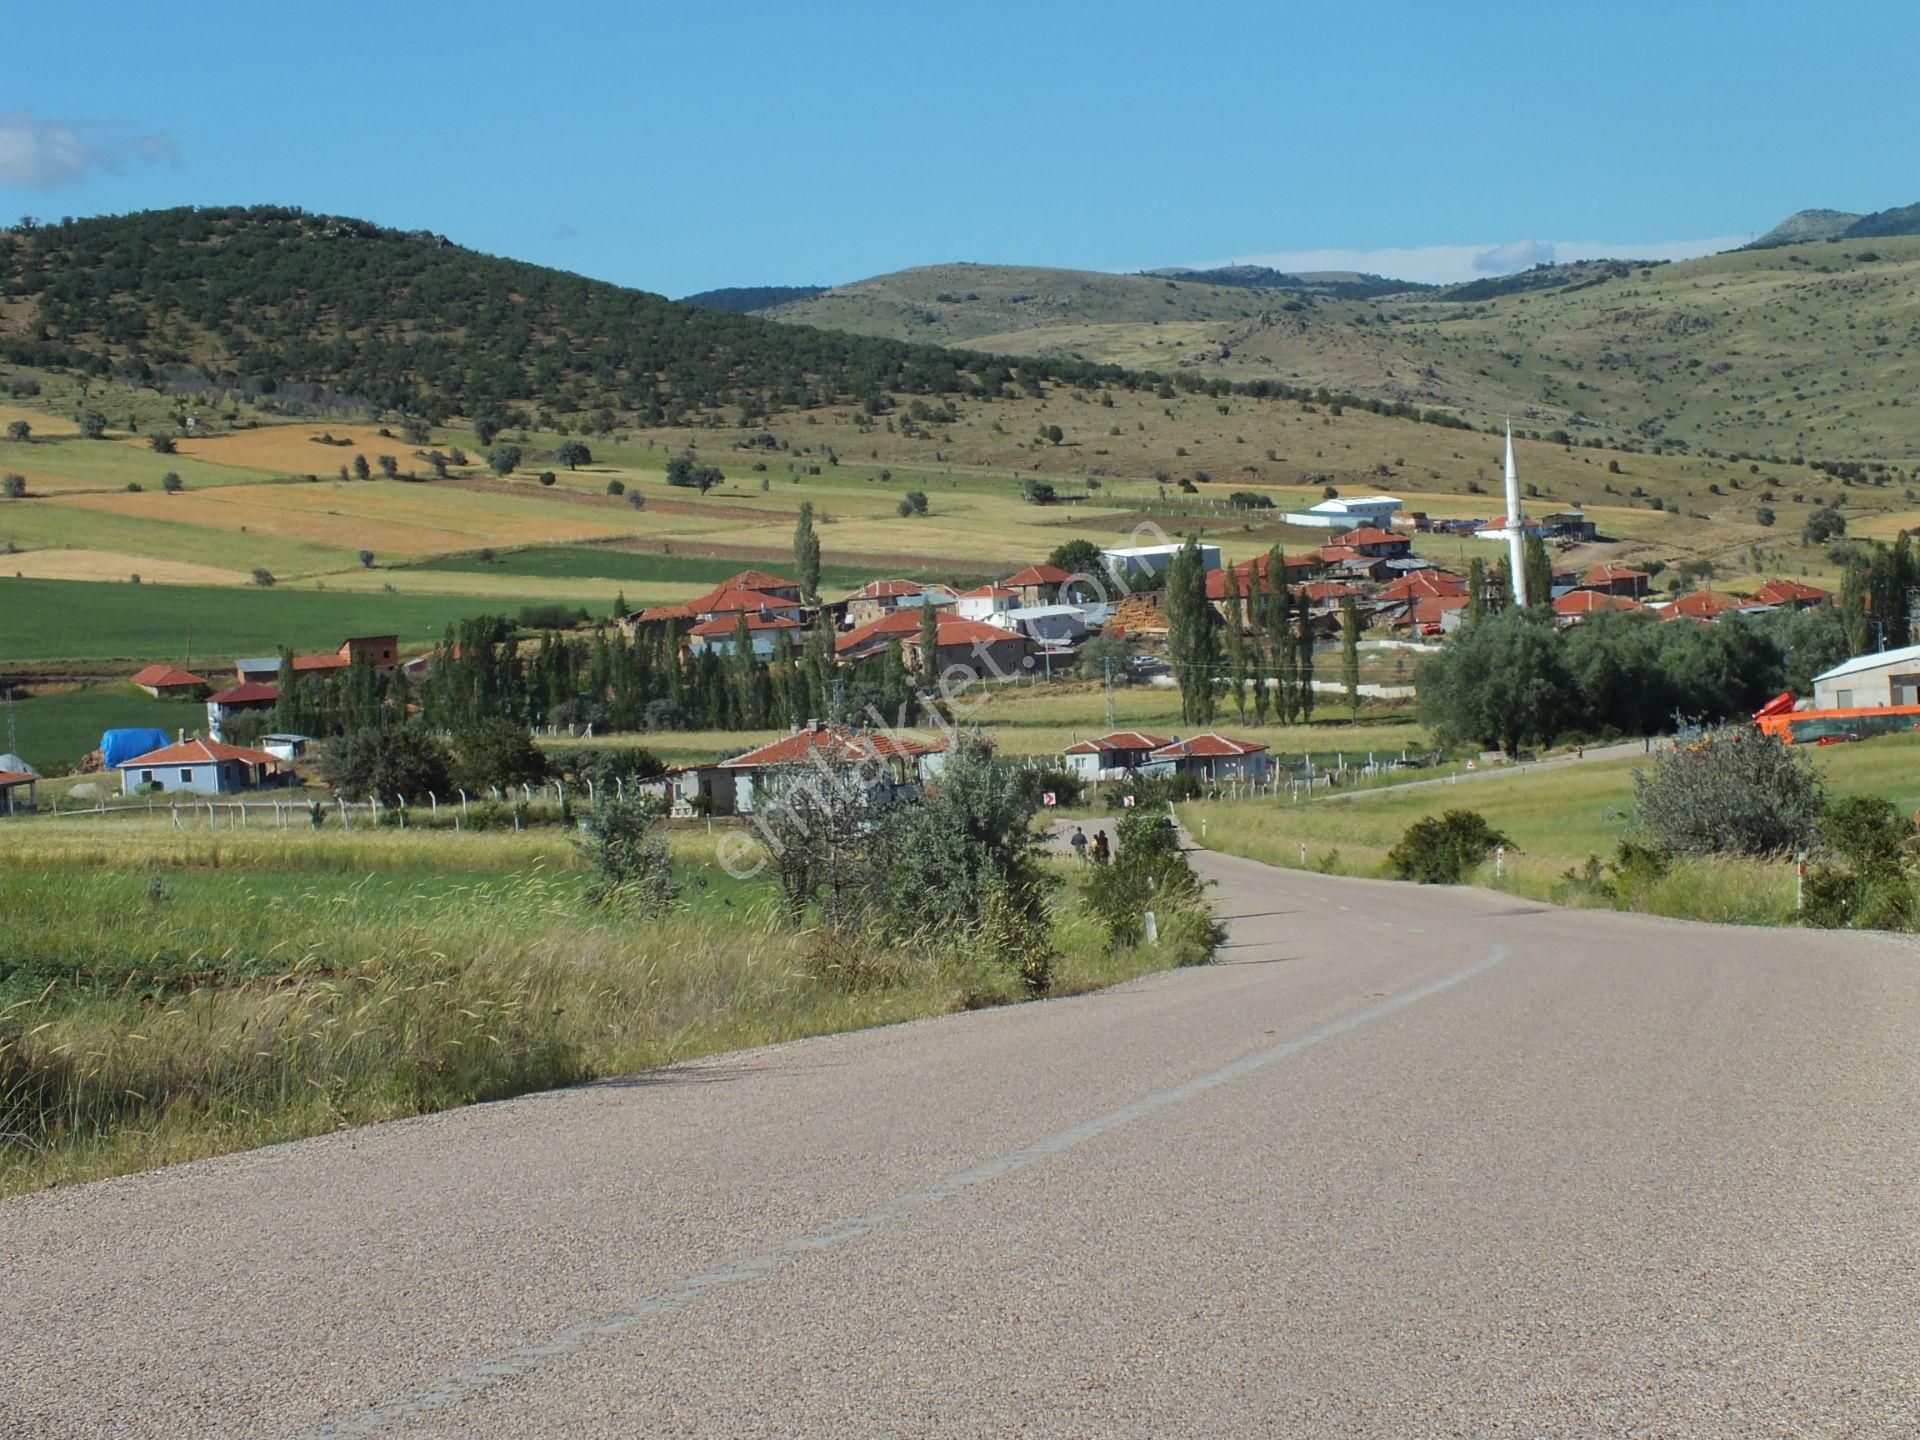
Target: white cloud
1450, 264
41, 153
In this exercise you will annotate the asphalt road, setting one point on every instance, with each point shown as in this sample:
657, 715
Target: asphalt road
1406, 1163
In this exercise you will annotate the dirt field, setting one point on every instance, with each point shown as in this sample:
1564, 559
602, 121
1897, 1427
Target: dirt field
114, 565
294, 448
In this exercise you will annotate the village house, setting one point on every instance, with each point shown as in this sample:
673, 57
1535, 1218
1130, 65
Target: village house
968, 649
1434, 614
167, 682
1791, 595
1574, 606
863, 642
198, 767
1210, 757
892, 763
985, 602
1112, 756
1045, 624
881, 597
238, 700
1617, 580
774, 594
1037, 584
728, 603
1708, 605
766, 634
1370, 540
1250, 576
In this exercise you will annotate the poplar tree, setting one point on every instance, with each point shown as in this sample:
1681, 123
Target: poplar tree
1193, 641
1350, 653
929, 645
1303, 652
1476, 589
1236, 645
806, 552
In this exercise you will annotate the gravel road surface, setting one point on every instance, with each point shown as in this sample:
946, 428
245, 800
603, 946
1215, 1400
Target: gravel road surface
1406, 1163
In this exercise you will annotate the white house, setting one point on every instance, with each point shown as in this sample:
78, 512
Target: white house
1130, 563
1892, 677
1348, 512
198, 767
891, 763
1111, 756
985, 603
1210, 757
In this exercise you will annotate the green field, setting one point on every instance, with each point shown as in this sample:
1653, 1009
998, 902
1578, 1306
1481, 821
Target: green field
1556, 819
50, 620
579, 562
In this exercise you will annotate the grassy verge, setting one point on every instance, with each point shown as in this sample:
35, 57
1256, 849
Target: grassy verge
1557, 819
168, 995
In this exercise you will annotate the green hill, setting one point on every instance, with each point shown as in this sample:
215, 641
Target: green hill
745, 299
1808, 348
315, 308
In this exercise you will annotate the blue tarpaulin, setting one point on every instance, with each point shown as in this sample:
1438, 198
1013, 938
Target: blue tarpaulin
119, 745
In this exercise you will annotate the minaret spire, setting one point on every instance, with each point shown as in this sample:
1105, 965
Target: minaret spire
1516, 528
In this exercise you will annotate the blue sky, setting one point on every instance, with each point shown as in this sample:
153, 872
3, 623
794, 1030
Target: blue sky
687, 146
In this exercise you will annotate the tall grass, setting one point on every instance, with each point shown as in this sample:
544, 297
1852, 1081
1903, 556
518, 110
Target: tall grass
165, 997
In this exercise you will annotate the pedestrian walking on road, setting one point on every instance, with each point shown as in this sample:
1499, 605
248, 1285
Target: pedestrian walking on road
1101, 854
1079, 843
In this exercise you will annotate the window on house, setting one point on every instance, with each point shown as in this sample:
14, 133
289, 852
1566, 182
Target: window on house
146, 777
186, 775
1905, 688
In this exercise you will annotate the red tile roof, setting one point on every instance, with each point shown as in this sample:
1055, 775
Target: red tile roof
887, 590
250, 693
1423, 583
1247, 571
654, 614
165, 676
758, 580
1704, 604
1118, 740
1333, 554
832, 744
328, 661
731, 602
1328, 590
1037, 575
1592, 602
11, 778
198, 752
1791, 592
726, 624
1431, 609
1370, 535
1606, 574
895, 624
988, 592
1208, 746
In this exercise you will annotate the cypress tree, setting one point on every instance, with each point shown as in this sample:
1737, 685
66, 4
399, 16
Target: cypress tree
806, 552
929, 645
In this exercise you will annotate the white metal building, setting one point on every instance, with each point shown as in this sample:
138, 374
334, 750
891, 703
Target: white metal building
1348, 512
1891, 677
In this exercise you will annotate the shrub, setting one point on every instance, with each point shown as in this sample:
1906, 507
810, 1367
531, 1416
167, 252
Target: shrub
1443, 849
503, 460
172, 483
387, 761
1823, 525
1729, 791
263, 577
545, 617
1251, 500
1148, 871
631, 867
161, 444
1065, 787
1872, 890
366, 559
616, 487
1037, 492
1763, 515
497, 752
13, 486
547, 477
1155, 792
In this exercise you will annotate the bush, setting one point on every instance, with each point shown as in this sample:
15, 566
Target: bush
1251, 500
1149, 872
172, 483
545, 617
263, 577
385, 762
503, 460
1873, 889
13, 486
547, 477
1037, 492
631, 867
1824, 525
1730, 791
1155, 792
1442, 850
616, 487
497, 752
1065, 787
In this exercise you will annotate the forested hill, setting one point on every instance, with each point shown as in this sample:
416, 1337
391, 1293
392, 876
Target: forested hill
745, 299
273, 297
